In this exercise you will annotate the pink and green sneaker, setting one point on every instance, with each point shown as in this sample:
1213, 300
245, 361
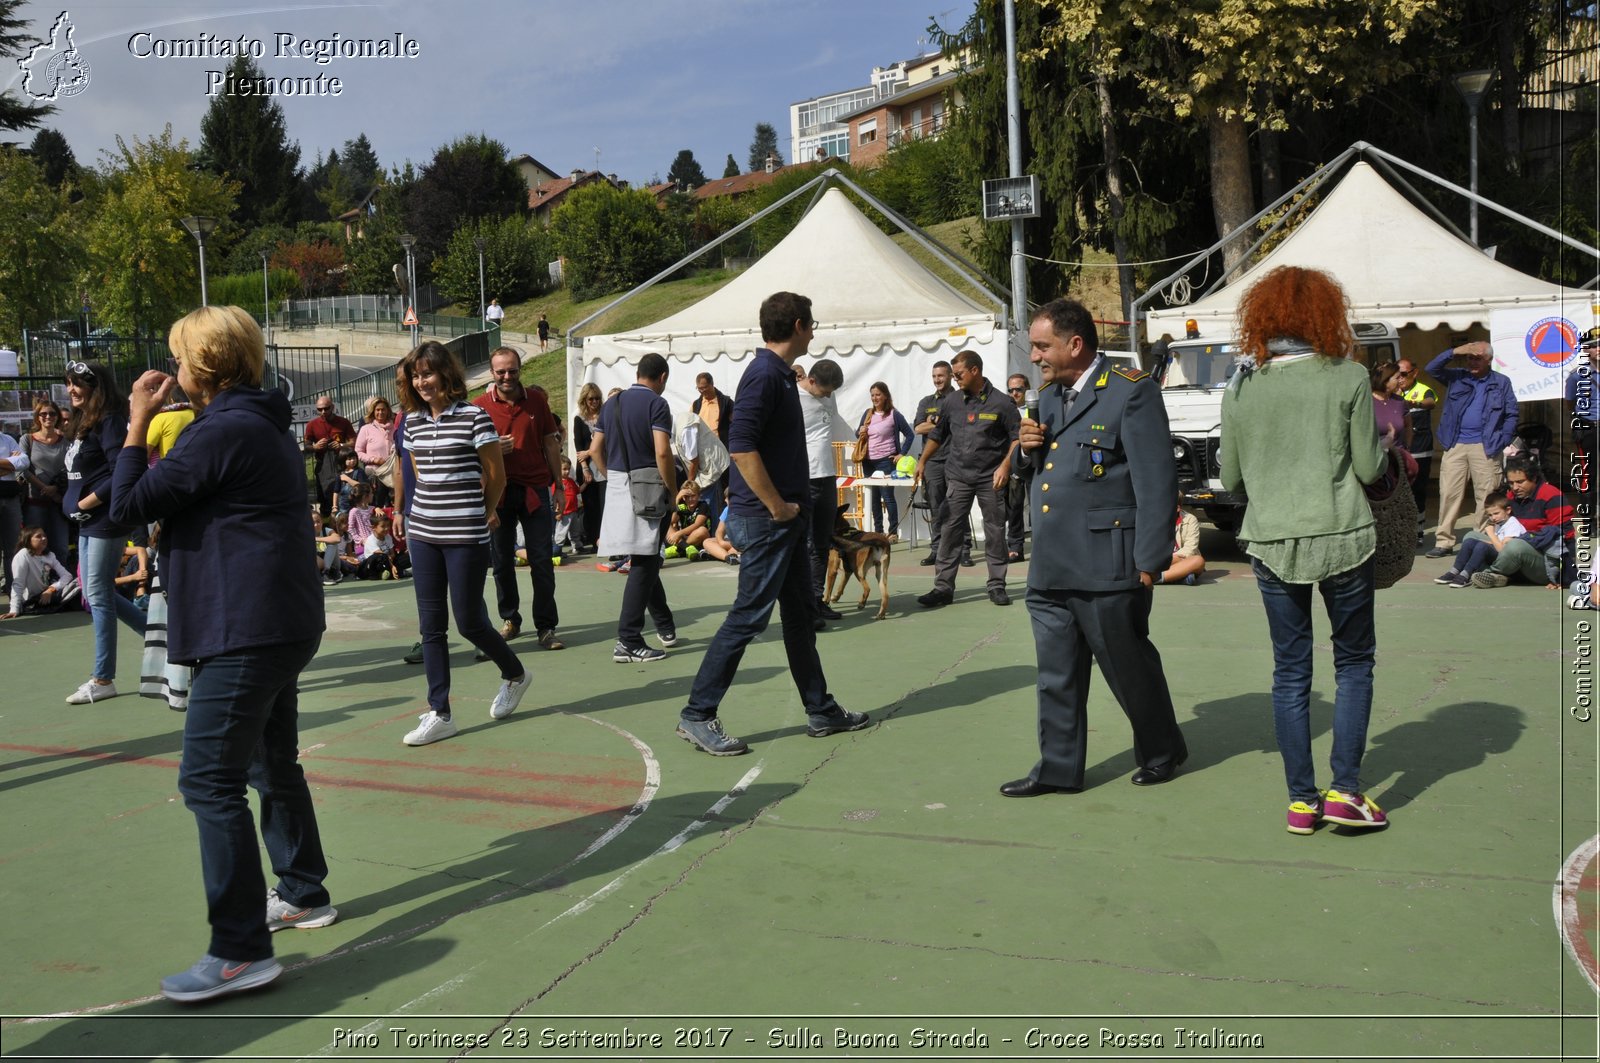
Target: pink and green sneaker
1352, 810
1303, 817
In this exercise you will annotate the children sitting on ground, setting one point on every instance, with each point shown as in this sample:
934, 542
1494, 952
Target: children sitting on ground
32, 566
360, 512
1187, 564
380, 557
690, 524
718, 546
338, 556
1477, 554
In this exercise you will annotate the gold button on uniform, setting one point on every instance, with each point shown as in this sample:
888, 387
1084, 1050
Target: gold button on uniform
1044, 509
1044, 487
1049, 465
1055, 446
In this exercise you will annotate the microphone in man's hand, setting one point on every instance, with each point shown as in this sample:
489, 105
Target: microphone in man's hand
1030, 404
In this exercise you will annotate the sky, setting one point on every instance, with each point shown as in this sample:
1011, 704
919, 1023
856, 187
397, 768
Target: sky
555, 79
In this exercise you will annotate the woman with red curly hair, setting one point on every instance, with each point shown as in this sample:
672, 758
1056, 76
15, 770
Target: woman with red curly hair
1299, 437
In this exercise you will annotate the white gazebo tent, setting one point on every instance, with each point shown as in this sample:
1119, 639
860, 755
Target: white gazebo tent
1395, 263
882, 316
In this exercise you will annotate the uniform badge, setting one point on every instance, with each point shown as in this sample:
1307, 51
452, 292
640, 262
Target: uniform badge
1098, 471
972, 418
1097, 456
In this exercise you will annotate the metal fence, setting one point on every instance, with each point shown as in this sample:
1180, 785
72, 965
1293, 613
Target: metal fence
354, 386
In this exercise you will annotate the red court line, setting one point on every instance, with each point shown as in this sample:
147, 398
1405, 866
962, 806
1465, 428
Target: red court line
499, 773
437, 793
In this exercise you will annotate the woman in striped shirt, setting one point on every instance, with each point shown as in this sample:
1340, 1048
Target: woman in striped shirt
460, 475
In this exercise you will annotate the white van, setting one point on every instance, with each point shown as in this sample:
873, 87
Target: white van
1192, 373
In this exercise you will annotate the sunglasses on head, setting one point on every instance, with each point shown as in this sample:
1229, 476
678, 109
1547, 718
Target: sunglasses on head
78, 369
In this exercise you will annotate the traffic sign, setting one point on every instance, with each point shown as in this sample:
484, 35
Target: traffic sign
411, 317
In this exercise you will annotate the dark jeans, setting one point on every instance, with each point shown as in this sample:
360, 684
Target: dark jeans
1419, 489
456, 570
242, 727
538, 535
644, 591
824, 517
1348, 598
1475, 556
773, 570
594, 506
11, 531
883, 496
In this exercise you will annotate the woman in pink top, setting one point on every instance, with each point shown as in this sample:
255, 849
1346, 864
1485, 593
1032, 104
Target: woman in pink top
375, 447
888, 436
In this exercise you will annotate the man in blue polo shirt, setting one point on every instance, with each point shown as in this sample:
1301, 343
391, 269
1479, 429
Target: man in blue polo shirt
768, 497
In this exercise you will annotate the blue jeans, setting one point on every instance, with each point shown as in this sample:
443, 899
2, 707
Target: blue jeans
538, 533
1348, 598
243, 727
100, 559
774, 569
883, 497
455, 571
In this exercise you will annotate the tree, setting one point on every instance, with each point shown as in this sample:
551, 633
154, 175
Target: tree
374, 252
926, 180
516, 261
467, 179
731, 169
244, 138
318, 266
15, 112
765, 144
360, 165
686, 172
1231, 65
611, 239
143, 266
53, 155
43, 246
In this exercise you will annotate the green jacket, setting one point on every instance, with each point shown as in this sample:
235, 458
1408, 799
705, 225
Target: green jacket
1299, 438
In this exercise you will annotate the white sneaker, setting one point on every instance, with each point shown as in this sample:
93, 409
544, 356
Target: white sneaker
510, 695
433, 728
91, 692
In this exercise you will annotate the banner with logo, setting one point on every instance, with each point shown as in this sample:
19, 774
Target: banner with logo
1538, 347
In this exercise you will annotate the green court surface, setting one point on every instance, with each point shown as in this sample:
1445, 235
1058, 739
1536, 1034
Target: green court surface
575, 882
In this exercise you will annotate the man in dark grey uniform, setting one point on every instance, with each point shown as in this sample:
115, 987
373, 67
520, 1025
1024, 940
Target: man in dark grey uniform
1103, 481
978, 429
933, 477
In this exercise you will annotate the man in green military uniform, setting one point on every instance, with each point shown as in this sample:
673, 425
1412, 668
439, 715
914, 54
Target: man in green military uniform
1099, 455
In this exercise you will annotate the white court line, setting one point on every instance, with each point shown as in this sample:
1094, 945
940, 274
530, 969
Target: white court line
1566, 901
582, 906
652, 783
653, 777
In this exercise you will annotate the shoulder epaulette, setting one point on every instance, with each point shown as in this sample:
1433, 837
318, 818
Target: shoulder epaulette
1129, 374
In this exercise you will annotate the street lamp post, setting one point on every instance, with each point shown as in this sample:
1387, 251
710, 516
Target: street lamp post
1472, 85
483, 306
266, 314
409, 242
200, 226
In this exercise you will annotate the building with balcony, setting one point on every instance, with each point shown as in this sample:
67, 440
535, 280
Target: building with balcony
906, 100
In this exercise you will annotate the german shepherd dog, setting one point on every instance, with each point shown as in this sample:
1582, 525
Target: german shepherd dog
859, 554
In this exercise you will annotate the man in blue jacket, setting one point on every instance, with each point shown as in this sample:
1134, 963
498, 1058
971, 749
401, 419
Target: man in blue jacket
1477, 425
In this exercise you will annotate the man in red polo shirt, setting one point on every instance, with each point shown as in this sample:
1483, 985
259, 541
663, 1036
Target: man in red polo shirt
327, 436
530, 439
